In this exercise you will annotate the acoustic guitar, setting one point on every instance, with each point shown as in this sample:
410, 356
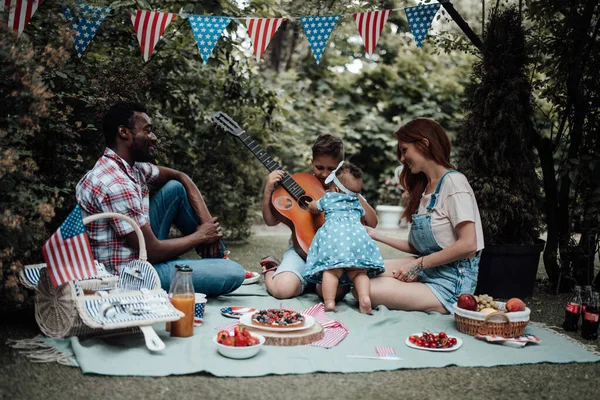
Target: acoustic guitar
290, 199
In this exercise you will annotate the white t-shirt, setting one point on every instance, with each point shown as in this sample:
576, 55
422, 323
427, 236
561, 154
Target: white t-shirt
455, 204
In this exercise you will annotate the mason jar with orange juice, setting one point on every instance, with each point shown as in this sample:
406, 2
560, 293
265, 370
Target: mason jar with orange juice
183, 298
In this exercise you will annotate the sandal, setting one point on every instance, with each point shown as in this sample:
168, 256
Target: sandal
269, 263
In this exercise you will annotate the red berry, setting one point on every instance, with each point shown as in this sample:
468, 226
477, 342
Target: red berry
419, 343
442, 335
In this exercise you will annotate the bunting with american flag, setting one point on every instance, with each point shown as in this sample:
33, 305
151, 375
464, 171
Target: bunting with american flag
19, 12
85, 23
68, 253
420, 19
261, 31
149, 27
370, 24
318, 30
207, 31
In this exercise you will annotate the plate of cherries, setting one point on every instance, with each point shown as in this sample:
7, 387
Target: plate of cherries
433, 341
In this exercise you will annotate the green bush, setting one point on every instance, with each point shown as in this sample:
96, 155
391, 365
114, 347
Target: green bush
496, 153
52, 108
27, 200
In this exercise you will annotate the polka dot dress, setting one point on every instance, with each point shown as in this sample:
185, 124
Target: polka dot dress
342, 242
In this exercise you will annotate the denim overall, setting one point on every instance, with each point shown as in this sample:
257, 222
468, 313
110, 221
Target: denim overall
446, 281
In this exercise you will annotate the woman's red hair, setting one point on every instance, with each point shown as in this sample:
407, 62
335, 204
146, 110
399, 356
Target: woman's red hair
438, 150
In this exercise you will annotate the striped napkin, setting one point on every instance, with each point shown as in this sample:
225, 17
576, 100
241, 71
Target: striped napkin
335, 331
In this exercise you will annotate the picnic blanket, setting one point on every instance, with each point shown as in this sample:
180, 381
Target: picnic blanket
127, 355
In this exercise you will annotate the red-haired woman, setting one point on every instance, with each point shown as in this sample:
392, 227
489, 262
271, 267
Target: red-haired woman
445, 234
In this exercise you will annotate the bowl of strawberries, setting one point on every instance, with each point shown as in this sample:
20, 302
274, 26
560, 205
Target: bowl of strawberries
242, 344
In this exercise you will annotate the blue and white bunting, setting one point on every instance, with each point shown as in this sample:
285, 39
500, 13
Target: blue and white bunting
318, 30
207, 31
86, 24
420, 19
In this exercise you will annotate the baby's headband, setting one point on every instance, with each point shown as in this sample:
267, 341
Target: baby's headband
334, 178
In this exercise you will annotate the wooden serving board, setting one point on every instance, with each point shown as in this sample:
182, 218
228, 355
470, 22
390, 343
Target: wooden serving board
294, 338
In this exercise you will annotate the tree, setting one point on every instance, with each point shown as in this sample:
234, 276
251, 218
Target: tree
565, 39
496, 151
28, 201
564, 43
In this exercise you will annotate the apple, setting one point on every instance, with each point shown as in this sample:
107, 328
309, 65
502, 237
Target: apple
467, 302
515, 304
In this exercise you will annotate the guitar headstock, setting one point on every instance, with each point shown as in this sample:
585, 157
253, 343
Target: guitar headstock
227, 123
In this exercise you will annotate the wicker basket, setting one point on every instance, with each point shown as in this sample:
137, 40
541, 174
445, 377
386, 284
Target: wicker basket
70, 309
498, 323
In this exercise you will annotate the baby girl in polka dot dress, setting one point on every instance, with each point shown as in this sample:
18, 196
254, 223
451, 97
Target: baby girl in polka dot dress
342, 252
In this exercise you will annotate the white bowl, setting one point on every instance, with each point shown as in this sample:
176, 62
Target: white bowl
240, 352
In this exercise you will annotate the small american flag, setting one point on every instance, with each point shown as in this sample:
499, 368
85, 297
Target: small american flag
370, 24
261, 31
386, 352
68, 253
19, 12
149, 27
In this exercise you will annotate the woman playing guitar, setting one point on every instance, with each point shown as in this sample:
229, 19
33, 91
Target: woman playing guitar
285, 281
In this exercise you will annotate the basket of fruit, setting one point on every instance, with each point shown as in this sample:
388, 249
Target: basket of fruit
481, 315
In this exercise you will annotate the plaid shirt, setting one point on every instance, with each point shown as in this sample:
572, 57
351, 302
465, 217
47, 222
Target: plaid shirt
113, 186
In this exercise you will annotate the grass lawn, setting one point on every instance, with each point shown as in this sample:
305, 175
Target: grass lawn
22, 379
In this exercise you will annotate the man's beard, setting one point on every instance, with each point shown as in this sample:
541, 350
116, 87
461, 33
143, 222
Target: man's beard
141, 153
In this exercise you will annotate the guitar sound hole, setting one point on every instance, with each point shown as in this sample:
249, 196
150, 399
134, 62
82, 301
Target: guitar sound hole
303, 202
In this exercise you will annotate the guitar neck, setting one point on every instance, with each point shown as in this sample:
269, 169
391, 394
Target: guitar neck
287, 182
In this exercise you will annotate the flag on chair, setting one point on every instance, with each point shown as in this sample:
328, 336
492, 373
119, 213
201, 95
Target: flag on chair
149, 27
261, 31
68, 253
420, 19
370, 24
19, 12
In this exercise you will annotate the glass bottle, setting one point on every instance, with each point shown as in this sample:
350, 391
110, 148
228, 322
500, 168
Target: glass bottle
170, 293
591, 319
181, 294
586, 297
572, 311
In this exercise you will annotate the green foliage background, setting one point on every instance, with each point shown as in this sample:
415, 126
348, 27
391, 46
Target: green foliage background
49, 135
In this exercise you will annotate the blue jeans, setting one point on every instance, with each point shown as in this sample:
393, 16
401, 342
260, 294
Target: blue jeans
211, 276
292, 262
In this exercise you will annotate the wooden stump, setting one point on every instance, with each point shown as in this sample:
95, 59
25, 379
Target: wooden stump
294, 338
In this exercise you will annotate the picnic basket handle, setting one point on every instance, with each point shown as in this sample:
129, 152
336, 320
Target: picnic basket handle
142, 243
483, 327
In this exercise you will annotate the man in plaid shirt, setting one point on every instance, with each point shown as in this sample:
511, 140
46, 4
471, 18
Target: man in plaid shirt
119, 183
